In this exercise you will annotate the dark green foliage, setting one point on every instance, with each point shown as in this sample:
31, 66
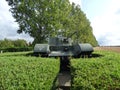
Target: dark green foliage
82, 25
43, 18
16, 49
20, 43
7, 45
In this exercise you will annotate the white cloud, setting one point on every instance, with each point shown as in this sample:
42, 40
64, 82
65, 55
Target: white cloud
8, 26
77, 2
106, 27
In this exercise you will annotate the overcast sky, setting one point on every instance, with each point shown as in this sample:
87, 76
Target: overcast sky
104, 16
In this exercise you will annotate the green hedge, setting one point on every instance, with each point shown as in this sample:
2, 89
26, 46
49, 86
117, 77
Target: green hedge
27, 73
98, 73
16, 49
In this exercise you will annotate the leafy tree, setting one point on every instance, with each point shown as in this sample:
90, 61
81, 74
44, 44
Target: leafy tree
7, 43
43, 18
20, 43
39, 18
82, 26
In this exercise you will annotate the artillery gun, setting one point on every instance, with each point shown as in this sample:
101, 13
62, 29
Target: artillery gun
63, 47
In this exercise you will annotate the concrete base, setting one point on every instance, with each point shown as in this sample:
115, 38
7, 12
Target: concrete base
64, 80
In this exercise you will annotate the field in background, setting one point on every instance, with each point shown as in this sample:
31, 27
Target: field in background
100, 72
109, 48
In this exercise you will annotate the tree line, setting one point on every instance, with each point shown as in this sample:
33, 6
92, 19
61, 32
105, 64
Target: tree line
42, 19
8, 45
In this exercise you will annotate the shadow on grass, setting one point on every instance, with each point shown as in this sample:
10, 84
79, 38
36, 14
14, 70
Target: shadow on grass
54, 83
29, 54
94, 55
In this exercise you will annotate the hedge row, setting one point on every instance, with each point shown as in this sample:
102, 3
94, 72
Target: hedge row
27, 73
16, 49
100, 73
